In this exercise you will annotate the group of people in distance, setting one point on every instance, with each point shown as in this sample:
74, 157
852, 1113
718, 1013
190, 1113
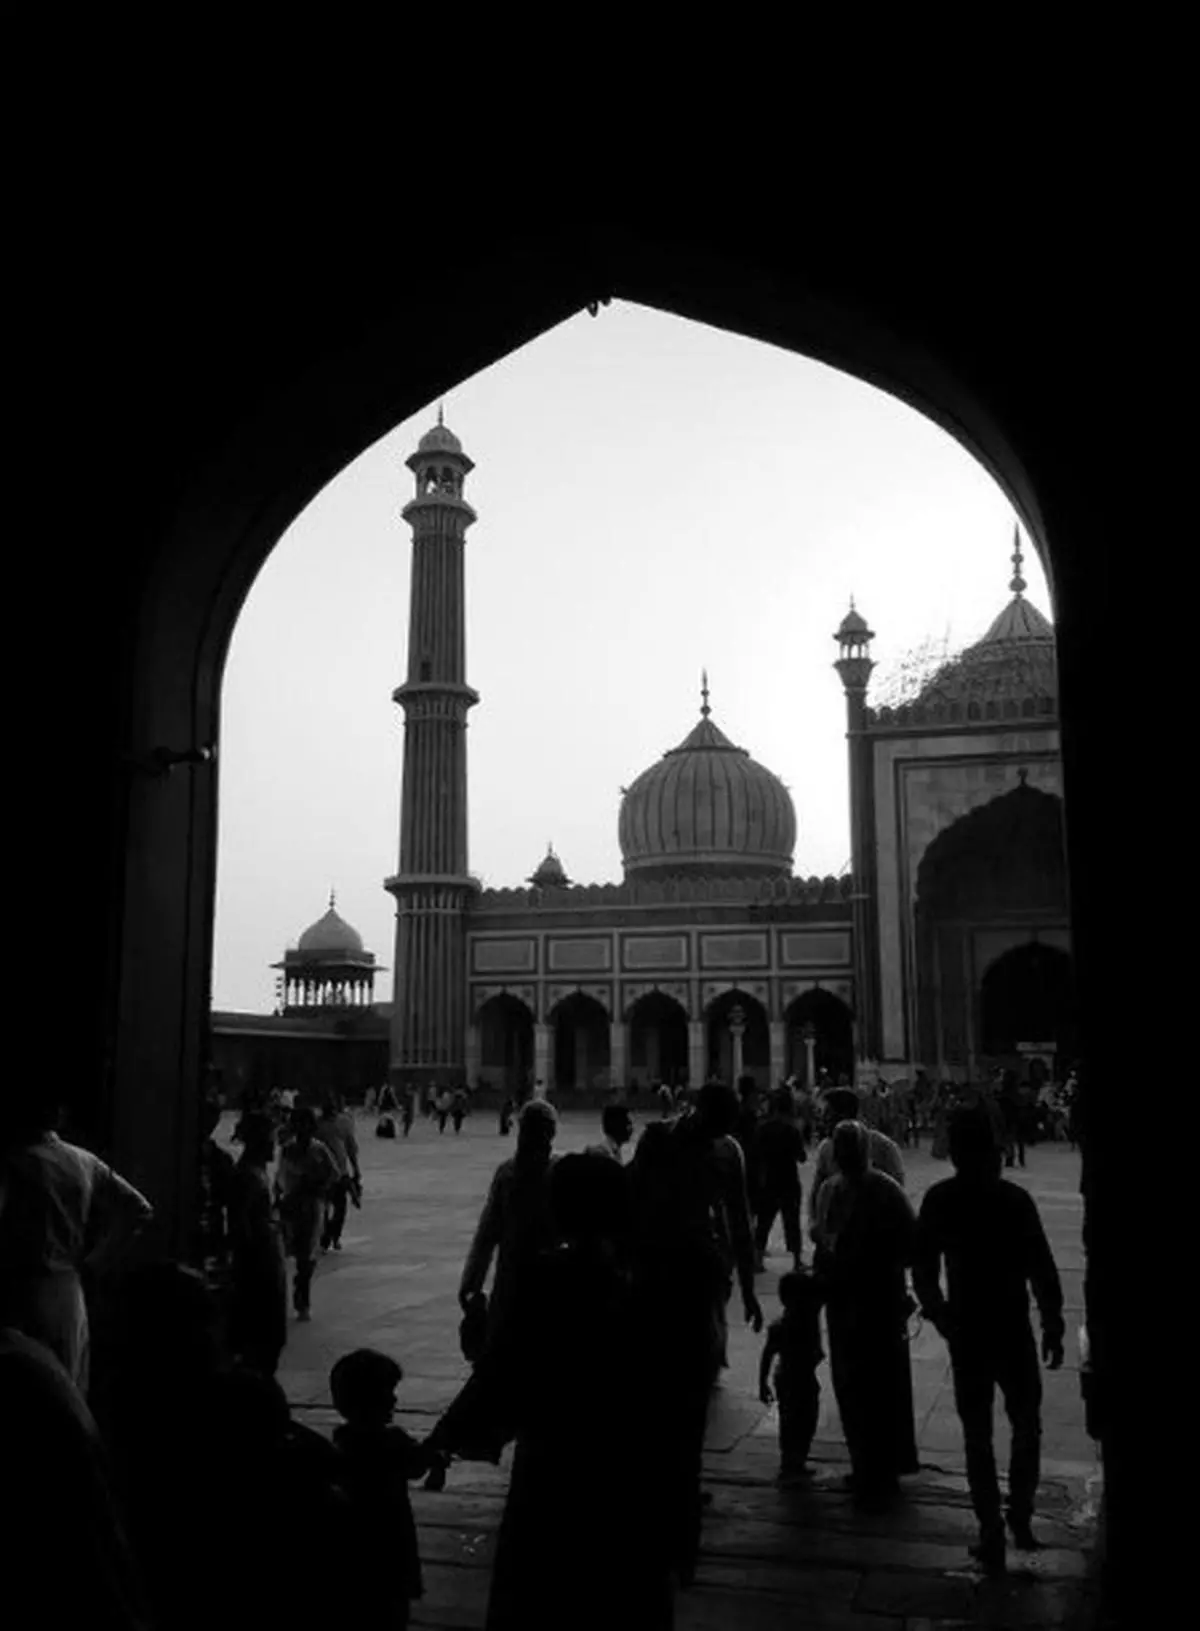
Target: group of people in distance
396, 1107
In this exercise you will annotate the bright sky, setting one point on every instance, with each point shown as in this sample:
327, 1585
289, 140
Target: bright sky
654, 497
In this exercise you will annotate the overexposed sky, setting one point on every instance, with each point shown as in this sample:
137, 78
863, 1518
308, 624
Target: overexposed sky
654, 497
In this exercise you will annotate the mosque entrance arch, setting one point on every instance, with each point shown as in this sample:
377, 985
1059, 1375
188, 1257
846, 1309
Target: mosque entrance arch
720, 1019
581, 1043
658, 1040
1027, 997
505, 1043
995, 880
832, 1034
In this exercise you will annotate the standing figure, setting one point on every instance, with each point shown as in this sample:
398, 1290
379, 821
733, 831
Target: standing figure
780, 1152
376, 1460
864, 1234
257, 1321
691, 1218
442, 1107
506, 1115
616, 1123
515, 1224
458, 1107
63, 1212
793, 1351
305, 1175
335, 1130
370, 1100
216, 1174
842, 1104
989, 1236
408, 1110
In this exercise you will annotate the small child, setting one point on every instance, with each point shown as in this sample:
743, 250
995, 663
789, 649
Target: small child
376, 1461
793, 1349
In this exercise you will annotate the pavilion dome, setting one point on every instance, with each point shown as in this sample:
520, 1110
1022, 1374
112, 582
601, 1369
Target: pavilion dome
330, 935
439, 440
550, 872
707, 809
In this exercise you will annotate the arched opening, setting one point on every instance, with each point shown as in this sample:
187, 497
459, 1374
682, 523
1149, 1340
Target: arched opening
1027, 1008
581, 1043
505, 1043
991, 882
739, 1038
819, 1038
658, 1040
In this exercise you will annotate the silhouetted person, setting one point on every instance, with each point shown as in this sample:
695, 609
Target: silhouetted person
793, 1352
375, 1461
581, 1543
257, 1319
409, 1110
63, 1213
303, 1178
216, 1174
988, 1234
864, 1235
67, 1553
335, 1130
507, 1112
691, 1217
780, 1152
458, 1108
1012, 1111
616, 1123
515, 1224
441, 1105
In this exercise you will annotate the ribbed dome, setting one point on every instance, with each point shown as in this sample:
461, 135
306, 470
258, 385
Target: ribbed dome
439, 440
706, 808
330, 934
550, 873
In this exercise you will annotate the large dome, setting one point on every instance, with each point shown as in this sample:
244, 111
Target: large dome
706, 808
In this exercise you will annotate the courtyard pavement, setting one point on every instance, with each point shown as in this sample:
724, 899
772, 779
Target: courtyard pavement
771, 1557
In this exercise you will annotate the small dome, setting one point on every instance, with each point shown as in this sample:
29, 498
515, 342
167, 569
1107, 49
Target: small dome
439, 440
853, 628
707, 809
330, 934
550, 873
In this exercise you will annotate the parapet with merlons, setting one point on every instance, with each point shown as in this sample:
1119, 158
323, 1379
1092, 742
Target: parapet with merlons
670, 892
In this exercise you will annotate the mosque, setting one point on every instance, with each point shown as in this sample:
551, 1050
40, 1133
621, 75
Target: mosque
944, 946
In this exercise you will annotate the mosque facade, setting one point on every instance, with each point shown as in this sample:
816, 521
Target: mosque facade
945, 945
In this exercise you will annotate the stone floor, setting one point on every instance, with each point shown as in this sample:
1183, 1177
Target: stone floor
771, 1557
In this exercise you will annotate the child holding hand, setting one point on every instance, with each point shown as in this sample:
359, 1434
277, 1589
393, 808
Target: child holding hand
376, 1461
793, 1353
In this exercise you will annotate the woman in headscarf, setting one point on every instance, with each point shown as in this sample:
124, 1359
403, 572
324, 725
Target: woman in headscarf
865, 1232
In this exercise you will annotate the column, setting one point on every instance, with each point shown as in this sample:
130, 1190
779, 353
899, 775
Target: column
778, 1053
543, 1044
697, 1060
618, 1054
474, 1054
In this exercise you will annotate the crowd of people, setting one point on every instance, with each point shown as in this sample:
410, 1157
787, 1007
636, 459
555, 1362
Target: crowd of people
594, 1302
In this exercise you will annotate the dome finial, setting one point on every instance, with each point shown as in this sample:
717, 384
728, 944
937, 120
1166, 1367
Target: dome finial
705, 710
1017, 585
441, 414
332, 897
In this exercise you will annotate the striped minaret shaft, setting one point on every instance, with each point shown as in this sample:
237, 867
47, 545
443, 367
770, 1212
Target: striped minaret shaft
431, 887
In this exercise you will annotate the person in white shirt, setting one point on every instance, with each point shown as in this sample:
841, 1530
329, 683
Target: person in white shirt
617, 1125
883, 1153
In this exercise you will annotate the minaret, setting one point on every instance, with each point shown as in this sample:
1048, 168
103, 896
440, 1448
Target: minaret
431, 886
854, 666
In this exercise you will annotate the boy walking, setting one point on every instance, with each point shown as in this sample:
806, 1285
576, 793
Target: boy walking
990, 1237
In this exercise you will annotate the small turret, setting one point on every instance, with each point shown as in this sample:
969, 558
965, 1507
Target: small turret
855, 662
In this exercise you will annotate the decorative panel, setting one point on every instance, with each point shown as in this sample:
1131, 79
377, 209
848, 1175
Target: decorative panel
559, 993
484, 993
633, 991
565, 956
734, 950
712, 989
808, 950
658, 951
503, 956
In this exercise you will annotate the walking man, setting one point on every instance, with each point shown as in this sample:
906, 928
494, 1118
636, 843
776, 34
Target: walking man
780, 1149
336, 1131
617, 1126
988, 1234
305, 1174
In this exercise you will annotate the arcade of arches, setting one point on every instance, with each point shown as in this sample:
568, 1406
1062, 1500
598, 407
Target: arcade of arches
993, 966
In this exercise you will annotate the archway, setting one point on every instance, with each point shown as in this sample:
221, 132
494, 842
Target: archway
505, 1042
994, 880
719, 1020
832, 1037
658, 1040
1026, 1001
581, 1043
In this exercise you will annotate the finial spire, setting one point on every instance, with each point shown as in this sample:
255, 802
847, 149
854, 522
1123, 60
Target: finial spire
1017, 585
332, 898
705, 710
441, 415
